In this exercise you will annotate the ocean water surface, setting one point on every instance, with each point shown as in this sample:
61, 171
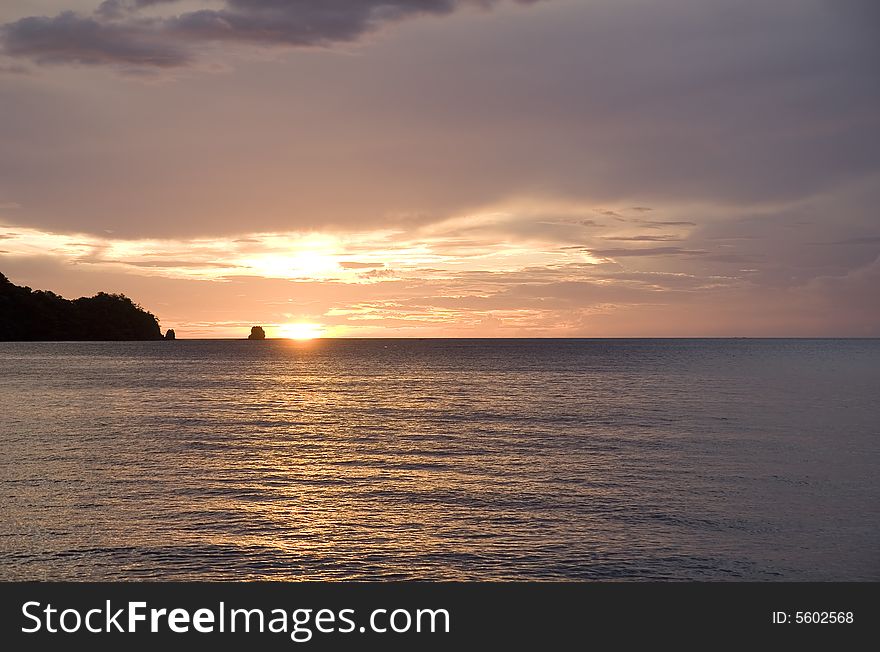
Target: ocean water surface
441, 460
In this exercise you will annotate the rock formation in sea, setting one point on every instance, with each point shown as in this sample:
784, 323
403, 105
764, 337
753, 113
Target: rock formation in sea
170, 334
40, 315
257, 333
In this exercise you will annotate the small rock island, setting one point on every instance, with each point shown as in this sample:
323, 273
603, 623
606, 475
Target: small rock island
28, 315
257, 333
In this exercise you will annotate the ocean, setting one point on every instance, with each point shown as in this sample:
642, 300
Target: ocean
541, 459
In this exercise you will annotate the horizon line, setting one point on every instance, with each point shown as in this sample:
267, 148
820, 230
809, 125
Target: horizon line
536, 337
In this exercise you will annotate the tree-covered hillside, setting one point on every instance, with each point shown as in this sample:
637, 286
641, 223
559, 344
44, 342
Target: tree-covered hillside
31, 315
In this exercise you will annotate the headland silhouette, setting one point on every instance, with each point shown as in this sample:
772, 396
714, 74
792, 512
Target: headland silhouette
41, 315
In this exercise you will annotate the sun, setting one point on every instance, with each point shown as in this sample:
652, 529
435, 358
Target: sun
301, 331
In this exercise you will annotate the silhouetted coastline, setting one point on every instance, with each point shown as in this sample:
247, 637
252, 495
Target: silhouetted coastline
41, 315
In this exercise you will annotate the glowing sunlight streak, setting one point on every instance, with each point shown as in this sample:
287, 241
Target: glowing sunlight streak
300, 331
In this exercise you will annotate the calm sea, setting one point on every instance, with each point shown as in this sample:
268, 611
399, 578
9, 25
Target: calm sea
441, 459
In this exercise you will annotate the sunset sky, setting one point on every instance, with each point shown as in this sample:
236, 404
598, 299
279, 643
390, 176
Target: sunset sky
448, 167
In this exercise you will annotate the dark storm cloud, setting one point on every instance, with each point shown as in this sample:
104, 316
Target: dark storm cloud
116, 34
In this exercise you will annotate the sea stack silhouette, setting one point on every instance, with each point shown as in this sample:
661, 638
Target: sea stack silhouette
257, 333
170, 334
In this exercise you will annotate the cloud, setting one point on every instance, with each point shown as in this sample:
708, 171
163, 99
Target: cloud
13, 69
624, 105
115, 33
649, 251
461, 298
170, 264
850, 299
657, 224
120, 8
299, 23
378, 274
868, 239
71, 38
643, 238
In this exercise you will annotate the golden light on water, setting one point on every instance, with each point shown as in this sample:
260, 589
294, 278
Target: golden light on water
301, 331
